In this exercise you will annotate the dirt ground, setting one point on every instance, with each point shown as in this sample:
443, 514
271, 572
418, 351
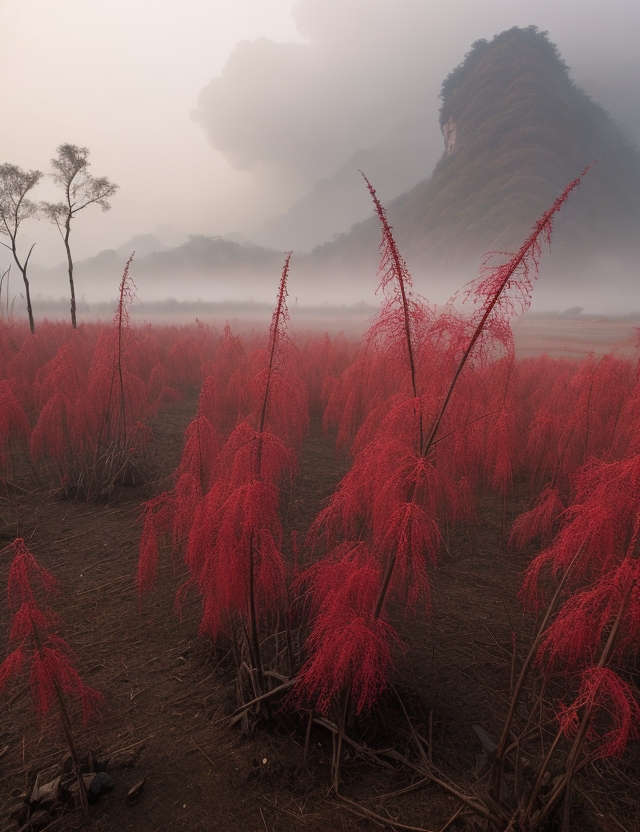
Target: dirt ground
168, 693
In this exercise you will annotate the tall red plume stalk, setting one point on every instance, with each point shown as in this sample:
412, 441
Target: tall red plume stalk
395, 494
42, 653
244, 571
121, 399
231, 523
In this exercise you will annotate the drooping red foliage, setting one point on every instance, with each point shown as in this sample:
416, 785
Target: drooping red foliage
223, 512
598, 525
410, 452
597, 554
412, 537
200, 452
39, 646
614, 714
52, 668
538, 521
237, 559
348, 648
23, 572
248, 455
583, 623
11, 666
244, 563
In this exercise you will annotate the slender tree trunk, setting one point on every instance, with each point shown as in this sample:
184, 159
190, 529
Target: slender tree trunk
23, 272
70, 269
27, 295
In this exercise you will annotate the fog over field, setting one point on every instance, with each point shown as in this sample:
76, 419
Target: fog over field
241, 118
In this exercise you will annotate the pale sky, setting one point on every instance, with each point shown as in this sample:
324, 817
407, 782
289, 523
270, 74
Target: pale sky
214, 115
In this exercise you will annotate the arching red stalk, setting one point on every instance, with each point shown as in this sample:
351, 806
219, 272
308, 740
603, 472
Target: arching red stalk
393, 267
278, 322
411, 526
514, 274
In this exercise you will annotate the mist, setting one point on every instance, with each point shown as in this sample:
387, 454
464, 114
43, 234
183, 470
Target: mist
214, 118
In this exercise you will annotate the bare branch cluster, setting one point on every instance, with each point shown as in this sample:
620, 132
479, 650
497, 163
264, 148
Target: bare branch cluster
81, 189
15, 207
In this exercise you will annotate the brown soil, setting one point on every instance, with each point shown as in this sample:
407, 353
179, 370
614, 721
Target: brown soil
168, 693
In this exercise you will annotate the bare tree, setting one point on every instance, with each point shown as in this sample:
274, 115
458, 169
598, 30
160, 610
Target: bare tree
71, 173
15, 184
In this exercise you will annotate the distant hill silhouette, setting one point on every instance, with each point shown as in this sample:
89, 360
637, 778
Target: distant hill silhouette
212, 268
517, 130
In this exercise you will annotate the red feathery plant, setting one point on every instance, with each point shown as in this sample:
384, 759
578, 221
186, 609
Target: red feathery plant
41, 649
172, 513
349, 645
225, 505
243, 570
596, 559
394, 494
581, 416
121, 401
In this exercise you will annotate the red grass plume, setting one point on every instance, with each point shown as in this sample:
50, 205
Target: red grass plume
503, 291
243, 573
394, 492
349, 649
538, 521
201, 449
237, 556
38, 645
599, 525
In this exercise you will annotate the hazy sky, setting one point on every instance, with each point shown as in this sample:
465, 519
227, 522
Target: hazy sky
213, 115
